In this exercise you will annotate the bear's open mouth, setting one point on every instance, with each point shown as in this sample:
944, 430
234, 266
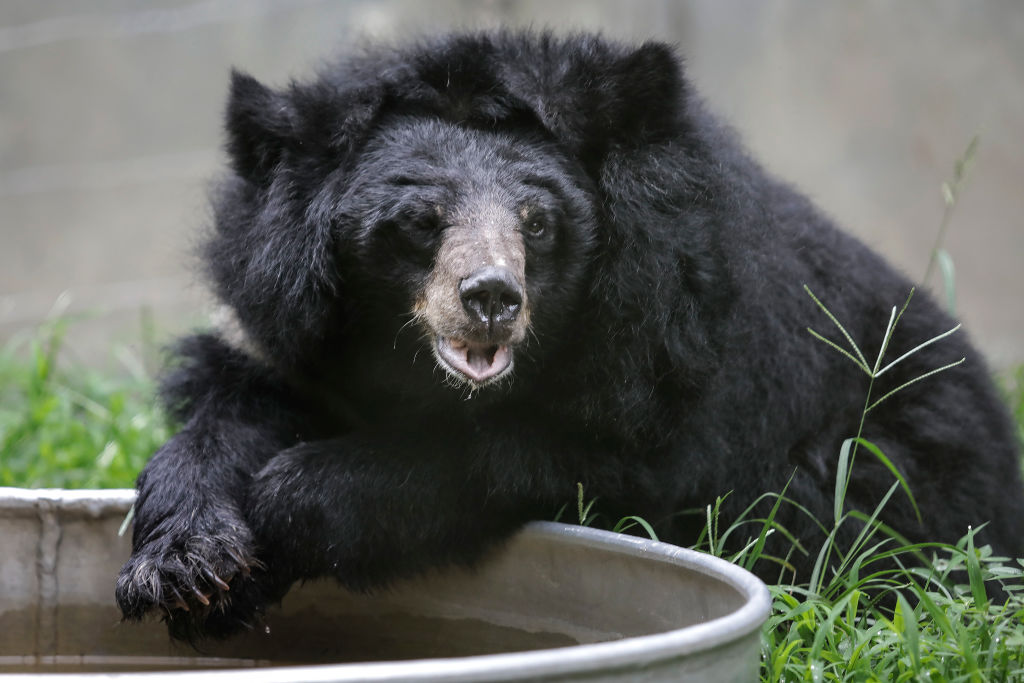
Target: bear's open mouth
478, 363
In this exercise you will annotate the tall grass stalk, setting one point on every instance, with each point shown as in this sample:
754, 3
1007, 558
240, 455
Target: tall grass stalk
939, 257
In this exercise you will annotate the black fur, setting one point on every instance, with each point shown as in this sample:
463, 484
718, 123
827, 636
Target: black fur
667, 362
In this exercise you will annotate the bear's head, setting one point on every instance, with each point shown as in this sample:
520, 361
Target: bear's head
456, 232
450, 198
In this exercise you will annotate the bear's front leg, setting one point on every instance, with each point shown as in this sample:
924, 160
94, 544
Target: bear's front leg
368, 512
193, 555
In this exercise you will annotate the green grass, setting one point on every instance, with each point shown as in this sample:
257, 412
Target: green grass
72, 427
841, 626
944, 627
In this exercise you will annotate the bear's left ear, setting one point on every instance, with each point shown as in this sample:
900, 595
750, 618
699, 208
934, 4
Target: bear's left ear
605, 96
260, 125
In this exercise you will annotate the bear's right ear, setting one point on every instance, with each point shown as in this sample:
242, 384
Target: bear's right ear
260, 123
593, 95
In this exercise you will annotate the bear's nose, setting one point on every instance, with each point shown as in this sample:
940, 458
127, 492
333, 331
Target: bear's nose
491, 296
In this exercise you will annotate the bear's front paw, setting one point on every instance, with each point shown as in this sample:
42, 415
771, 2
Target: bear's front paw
199, 571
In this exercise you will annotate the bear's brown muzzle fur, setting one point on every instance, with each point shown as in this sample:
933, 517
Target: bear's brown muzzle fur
475, 307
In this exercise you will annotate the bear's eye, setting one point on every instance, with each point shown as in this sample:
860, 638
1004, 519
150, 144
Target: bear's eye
535, 226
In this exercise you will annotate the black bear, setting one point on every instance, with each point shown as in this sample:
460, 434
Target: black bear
466, 274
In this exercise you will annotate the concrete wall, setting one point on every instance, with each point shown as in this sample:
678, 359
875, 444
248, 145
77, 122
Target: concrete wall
110, 128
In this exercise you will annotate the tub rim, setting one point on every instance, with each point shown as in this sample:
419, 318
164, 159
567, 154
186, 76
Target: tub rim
635, 652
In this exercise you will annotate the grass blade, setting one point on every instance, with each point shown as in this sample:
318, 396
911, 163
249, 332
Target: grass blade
909, 630
914, 381
862, 363
841, 350
917, 348
948, 273
842, 480
630, 521
877, 452
974, 573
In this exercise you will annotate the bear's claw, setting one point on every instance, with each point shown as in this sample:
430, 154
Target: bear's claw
202, 585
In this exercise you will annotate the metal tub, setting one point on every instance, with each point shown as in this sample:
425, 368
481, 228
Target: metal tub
556, 603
